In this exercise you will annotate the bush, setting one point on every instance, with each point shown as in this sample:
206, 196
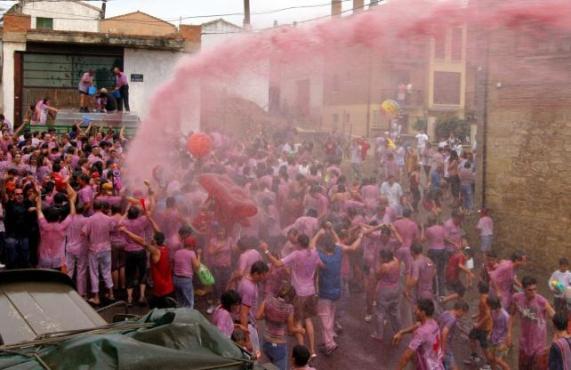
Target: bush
460, 128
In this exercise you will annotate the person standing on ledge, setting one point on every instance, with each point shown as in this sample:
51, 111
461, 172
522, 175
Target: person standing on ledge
122, 85
84, 84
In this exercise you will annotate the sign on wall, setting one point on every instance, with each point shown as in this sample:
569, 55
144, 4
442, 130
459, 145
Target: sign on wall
136, 77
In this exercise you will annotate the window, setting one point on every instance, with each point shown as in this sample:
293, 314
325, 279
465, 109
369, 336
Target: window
44, 23
447, 88
456, 45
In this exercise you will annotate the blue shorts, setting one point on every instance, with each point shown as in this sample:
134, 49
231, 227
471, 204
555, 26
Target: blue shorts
486, 243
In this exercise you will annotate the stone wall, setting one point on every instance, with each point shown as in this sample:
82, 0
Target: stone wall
527, 180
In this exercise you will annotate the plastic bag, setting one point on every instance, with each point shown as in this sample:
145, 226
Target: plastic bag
205, 276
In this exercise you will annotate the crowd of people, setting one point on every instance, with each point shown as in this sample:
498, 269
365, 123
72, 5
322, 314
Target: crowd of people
323, 231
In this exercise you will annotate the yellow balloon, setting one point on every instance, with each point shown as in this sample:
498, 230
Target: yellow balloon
390, 106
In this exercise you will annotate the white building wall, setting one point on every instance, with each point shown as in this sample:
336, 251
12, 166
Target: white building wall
67, 15
289, 77
253, 84
8, 50
156, 66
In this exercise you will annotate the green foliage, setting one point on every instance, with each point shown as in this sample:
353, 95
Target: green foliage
460, 128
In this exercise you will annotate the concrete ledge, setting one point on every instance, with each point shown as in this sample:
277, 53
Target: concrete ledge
91, 38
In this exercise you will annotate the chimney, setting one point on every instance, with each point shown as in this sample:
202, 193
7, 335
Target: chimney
358, 5
373, 3
336, 7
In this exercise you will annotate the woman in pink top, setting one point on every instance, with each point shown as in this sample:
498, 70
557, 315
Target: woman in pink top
76, 252
219, 258
434, 237
52, 242
186, 262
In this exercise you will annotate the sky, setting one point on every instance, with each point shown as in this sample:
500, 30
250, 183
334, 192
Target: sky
191, 11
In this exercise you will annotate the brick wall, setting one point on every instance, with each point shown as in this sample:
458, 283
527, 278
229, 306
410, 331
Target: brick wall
17, 23
528, 157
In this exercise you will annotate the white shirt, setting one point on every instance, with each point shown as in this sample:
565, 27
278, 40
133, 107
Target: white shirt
421, 139
564, 278
393, 193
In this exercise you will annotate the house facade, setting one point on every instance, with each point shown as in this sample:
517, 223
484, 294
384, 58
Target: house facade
43, 57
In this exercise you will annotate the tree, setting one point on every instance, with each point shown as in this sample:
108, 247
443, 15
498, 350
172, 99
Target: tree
459, 127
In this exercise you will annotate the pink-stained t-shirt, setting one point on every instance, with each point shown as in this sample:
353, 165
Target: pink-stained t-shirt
306, 225
435, 237
85, 194
426, 343
247, 259
503, 276
486, 226
288, 248
52, 242
423, 270
183, 262
76, 240
222, 319
390, 279
248, 291
138, 226
98, 230
303, 264
408, 231
371, 195
112, 200
453, 231
317, 202
533, 317
223, 255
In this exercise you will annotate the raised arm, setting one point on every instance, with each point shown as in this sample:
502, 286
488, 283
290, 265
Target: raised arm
72, 196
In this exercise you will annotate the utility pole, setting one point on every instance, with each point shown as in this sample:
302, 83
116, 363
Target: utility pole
103, 9
247, 14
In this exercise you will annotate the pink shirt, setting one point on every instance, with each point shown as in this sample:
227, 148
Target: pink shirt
76, 240
138, 226
533, 316
183, 262
98, 230
486, 226
453, 231
503, 276
303, 264
435, 237
423, 271
408, 231
247, 259
222, 319
306, 225
426, 343
52, 247
223, 257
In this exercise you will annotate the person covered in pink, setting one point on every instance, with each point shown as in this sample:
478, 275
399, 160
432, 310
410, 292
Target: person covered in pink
76, 252
503, 277
219, 259
454, 233
303, 263
229, 306
370, 194
315, 200
135, 254
98, 231
421, 279
186, 263
485, 226
308, 224
407, 228
434, 238
53, 231
533, 310
170, 221
425, 345
247, 246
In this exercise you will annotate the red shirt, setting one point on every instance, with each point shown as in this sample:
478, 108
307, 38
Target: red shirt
162, 274
452, 269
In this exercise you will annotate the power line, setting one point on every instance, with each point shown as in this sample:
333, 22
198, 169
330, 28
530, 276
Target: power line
81, 17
